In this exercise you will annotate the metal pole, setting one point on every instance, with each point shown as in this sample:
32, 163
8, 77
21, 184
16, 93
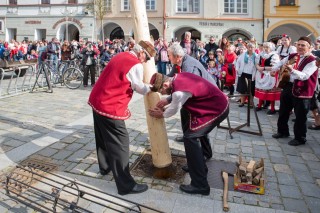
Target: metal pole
94, 20
67, 25
5, 27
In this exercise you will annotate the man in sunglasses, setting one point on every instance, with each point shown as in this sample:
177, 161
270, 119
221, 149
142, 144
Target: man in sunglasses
109, 100
211, 46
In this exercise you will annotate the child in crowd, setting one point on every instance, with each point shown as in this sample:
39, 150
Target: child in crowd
213, 70
203, 57
32, 55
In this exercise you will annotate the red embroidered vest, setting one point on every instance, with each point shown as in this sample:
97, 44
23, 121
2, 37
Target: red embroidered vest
207, 102
304, 89
112, 92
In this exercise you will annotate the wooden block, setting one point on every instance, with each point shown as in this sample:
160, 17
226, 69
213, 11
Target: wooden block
259, 164
249, 178
257, 171
256, 179
250, 166
242, 170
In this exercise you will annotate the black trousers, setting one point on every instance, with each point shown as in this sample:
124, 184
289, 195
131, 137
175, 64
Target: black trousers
204, 140
286, 106
194, 152
301, 109
112, 144
86, 70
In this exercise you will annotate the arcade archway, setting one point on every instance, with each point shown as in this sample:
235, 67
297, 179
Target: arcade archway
294, 30
179, 34
234, 34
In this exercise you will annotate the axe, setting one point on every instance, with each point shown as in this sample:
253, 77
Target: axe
225, 175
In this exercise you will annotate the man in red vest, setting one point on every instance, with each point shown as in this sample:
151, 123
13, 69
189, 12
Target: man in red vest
304, 74
206, 105
109, 100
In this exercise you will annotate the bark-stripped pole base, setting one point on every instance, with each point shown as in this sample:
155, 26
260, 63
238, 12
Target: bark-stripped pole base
164, 173
161, 155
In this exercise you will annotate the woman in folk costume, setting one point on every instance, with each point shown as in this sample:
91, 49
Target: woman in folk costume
285, 48
230, 78
266, 80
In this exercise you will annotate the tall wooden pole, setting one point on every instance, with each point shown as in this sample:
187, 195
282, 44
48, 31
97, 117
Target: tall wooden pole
161, 155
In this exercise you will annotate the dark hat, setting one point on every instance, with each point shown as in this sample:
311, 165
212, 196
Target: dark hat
156, 81
111, 47
305, 38
148, 47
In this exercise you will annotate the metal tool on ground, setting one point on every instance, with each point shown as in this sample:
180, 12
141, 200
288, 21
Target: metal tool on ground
45, 191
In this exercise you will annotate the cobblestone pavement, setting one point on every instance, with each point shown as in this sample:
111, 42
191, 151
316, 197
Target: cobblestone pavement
58, 128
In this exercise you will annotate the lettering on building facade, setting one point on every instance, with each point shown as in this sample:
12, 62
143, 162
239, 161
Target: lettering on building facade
32, 22
68, 19
211, 24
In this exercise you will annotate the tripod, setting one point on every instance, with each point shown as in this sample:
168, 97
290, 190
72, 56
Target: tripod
238, 128
43, 70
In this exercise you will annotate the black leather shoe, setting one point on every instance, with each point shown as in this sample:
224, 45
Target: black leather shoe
179, 139
280, 135
296, 142
258, 109
185, 168
271, 112
138, 188
194, 190
105, 172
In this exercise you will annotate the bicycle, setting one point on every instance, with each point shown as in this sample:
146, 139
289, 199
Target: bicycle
71, 74
67, 74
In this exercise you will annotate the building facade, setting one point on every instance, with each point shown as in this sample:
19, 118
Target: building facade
72, 19
44, 19
295, 18
203, 18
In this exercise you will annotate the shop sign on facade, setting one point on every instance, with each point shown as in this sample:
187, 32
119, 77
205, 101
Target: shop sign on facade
32, 22
211, 24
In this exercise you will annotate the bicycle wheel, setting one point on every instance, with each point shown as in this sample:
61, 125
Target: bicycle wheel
72, 78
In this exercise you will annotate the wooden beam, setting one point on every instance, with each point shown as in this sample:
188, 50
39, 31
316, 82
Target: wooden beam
161, 155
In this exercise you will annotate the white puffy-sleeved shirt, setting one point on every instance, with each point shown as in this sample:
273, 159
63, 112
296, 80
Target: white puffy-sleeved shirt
135, 76
178, 99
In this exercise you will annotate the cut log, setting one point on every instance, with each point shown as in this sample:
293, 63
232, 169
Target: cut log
250, 166
257, 171
256, 179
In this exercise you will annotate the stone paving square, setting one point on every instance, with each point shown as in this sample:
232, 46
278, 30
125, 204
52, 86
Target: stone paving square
64, 129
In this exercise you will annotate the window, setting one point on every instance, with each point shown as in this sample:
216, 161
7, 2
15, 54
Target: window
150, 5
188, 6
125, 5
287, 2
45, 1
13, 1
1, 25
236, 6
72, 2
108, 5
